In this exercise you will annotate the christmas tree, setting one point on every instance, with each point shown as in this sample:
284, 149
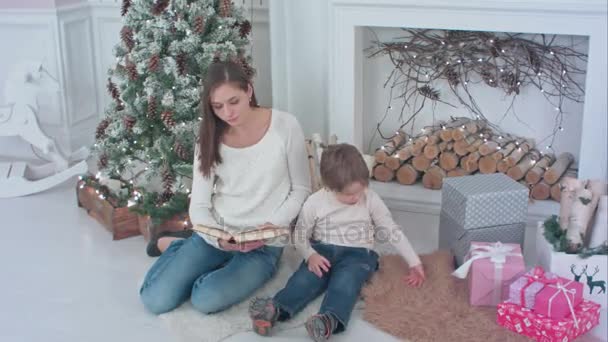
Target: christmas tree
147, 137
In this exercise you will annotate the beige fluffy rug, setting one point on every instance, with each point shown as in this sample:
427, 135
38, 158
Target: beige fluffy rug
188, 325
438, 311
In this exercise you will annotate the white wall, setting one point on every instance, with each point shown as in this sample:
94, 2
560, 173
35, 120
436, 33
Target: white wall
75, 39
298, 31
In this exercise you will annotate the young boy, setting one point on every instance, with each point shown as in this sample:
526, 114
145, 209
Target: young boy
335, 234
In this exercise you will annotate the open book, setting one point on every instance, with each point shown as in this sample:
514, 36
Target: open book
245, 236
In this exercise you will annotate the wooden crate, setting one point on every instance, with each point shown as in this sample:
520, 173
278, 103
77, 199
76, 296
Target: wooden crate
119, 221
176, 223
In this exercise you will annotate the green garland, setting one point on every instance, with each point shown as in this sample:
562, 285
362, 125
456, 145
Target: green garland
557, 238
117, 199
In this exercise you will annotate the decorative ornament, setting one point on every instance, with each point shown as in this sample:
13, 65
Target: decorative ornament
113, 90
167, 117
126, 34
125, 7
159, 6
100, 132
199, 24
225, 8
154, 63
129, 122
132, 71
181, 61
244, 28
181, 151
152, 107
102, 163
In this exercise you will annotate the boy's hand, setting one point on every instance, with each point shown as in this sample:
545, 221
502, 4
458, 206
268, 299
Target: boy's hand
317, 264
416, 276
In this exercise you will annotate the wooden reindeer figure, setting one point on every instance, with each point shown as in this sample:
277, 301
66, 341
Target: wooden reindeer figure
577, 277
599, 283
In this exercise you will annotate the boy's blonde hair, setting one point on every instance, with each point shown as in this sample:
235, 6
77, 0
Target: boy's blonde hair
342, 165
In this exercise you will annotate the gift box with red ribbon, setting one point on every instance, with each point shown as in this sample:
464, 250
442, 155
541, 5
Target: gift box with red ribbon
539, 327
523, 291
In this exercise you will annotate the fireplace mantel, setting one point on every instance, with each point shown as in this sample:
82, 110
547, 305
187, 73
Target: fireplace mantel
568, 17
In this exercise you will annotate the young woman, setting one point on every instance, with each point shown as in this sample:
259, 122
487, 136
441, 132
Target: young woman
250, 170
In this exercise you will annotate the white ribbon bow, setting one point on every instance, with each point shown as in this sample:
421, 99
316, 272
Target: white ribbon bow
496, 252
561, 288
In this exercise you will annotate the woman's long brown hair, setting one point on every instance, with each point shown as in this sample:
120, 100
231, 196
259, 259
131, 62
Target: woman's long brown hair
212, 128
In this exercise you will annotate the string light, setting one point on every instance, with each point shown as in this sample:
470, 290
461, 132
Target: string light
561, 128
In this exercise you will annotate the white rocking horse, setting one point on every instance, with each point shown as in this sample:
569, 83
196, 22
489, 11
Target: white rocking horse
25, 82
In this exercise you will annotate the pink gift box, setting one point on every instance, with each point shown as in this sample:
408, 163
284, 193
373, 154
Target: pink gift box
488, 281
523, 291
555, 300
541, 328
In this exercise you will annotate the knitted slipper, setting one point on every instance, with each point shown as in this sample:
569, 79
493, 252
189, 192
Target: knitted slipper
152, 248
263, 315
320, 327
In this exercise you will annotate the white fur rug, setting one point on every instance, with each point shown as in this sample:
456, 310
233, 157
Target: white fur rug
189, 325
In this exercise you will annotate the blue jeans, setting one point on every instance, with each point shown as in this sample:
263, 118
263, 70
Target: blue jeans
213, 279
350, 268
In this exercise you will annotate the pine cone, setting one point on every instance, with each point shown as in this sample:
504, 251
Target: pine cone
167, 117
153, 63
129, 122
152, 107
247, 69
100, 132
165, 197
168, 179
102, 163
132, 71
199, 24
452, 76
428, 92
225, 8
534, 60
181, 151
510, 81
126, 34
159, 6
244, 28
182, 63
113, 90
125, 7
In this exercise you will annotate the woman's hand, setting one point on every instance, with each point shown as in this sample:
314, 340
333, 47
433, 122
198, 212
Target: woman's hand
416, 276
240, 247
317, 264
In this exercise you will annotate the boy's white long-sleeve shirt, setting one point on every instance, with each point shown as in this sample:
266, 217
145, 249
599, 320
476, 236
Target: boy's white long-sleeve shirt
265, 182
327, 220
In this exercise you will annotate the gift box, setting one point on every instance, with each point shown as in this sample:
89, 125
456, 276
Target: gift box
538, 327
484, 200
490, 268
458, 239
558, 300
524, 289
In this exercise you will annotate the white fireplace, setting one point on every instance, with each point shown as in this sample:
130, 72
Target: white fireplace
348, 19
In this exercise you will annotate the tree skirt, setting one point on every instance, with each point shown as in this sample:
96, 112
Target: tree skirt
438, 311
189, 325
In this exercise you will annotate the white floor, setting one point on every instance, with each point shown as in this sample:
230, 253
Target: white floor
64, 279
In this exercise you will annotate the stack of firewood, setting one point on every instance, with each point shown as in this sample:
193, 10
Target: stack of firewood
464, 146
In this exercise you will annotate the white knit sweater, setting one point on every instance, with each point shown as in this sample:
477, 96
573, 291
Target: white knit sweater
264, 182
327, 220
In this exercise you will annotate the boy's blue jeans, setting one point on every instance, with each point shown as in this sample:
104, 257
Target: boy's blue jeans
350, 268
214, 279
